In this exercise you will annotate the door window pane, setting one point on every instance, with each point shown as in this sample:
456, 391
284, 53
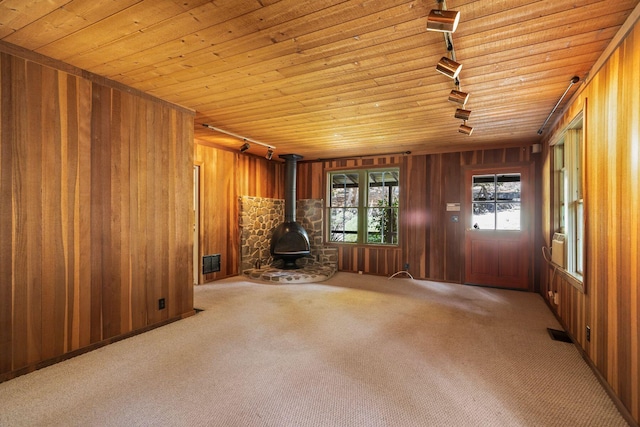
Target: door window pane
508, 216
483, 187
496, 202
484, 216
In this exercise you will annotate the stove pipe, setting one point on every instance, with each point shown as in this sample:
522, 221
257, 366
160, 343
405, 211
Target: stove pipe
291, 165
290, 240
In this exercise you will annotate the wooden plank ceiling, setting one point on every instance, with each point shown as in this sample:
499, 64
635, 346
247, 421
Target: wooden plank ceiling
331, 78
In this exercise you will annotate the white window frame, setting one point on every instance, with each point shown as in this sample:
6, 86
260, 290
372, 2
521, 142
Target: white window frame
568, 161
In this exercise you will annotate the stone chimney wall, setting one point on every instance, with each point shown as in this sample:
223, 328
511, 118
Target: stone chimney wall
260, 216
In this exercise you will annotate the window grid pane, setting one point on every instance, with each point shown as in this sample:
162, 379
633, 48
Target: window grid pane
344, 224
496, 201
568, 203
374, 210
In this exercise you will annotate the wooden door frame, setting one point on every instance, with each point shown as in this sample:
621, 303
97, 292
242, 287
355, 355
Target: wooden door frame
528, 218
197, 221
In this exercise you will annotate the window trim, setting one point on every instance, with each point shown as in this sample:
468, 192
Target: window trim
363, 206
495, 201
572, 178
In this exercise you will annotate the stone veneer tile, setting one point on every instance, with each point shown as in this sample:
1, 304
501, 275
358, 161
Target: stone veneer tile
258, 217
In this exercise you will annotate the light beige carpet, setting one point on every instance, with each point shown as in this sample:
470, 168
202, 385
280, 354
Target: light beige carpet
352, 351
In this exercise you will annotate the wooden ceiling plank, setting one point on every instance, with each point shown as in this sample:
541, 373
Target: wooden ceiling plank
231, 25
268, 59
169, 79
313, 82
313, 97
481, 16
257, 26
557, 23
295, 84
412, 80
16, 14
65, 20
79, 47
247, 52
334, 75
377, 112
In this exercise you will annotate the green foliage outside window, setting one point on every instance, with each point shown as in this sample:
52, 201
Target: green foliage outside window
363, 200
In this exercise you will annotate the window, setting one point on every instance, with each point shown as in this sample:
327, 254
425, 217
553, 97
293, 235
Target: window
568, 199
362, 200
496, 202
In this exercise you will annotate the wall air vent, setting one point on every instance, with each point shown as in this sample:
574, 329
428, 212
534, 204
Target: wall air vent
210, 263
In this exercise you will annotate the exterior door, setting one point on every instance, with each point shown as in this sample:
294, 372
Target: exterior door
498, 236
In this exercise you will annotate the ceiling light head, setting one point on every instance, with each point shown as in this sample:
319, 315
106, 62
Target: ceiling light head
465, 129
244, 147
458, 97
448, 67
445, 21
269, 154
462, 114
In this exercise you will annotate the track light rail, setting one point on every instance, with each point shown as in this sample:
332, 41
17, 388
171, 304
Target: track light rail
574, 80
243, 138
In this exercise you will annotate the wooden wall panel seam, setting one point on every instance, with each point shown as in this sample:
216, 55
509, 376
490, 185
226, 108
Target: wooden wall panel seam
74, 161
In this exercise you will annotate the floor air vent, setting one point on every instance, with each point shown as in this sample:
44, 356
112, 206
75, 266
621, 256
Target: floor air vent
210, 263
557, 335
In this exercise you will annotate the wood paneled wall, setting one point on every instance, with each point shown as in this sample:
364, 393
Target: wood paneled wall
95, 196
225, 176
430, 242
610, 306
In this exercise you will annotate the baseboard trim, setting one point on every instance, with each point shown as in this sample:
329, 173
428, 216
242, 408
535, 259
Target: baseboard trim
624, 411
52, 361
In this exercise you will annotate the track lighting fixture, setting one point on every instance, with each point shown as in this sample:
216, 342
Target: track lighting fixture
443, 20
446, 21
458, 97
246, 141
462, 114
448, 67
465, 129
269, 154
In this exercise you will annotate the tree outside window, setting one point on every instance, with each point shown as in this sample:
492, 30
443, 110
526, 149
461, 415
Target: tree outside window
496, 202
364, 200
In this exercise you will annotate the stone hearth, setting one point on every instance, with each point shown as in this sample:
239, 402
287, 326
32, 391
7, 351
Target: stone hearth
307, 274
259, 217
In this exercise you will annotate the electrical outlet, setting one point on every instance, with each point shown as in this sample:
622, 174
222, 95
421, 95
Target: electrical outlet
588, 333
161, 304
406, 266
